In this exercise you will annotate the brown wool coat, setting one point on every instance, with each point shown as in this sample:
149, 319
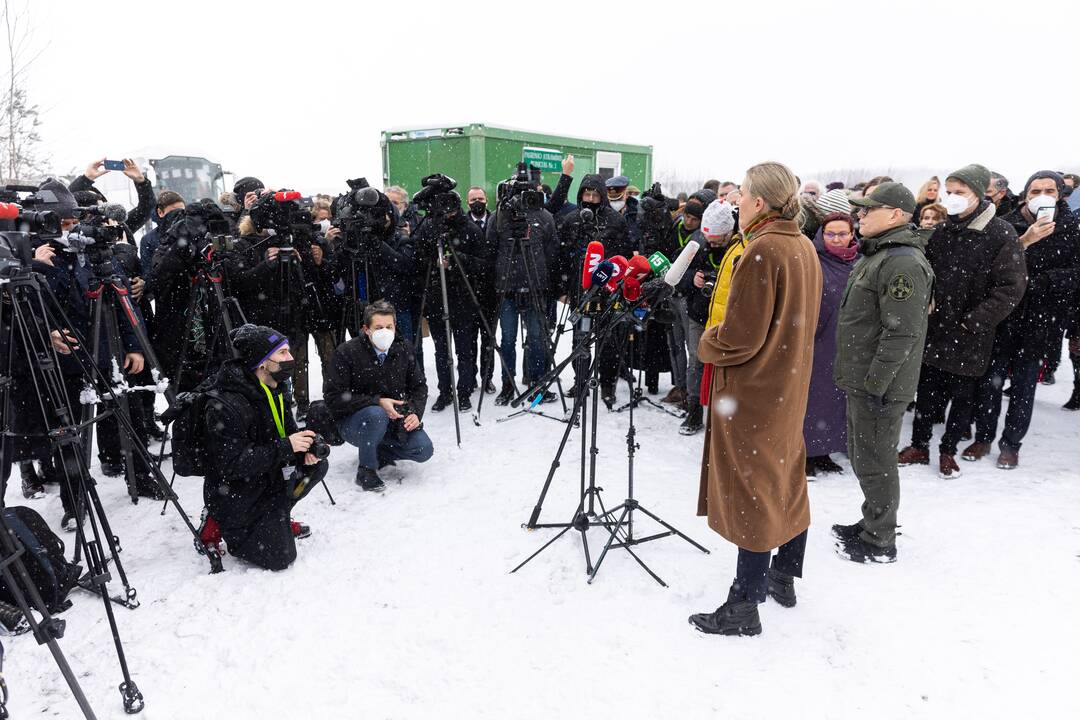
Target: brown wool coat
753, 479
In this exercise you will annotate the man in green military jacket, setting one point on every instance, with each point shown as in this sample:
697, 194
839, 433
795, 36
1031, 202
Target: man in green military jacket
879, 347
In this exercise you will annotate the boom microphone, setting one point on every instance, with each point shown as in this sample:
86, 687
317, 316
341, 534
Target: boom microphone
594, 254
9, 211
286, 195
114, 211
678, 268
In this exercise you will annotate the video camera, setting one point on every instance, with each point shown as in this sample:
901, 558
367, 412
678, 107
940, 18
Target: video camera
202, 225
42, 223
362, 215
283, 213
437, 198
657, 209
15, 252
518, 195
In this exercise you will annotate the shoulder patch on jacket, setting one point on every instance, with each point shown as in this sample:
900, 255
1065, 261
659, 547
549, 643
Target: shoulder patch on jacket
901, 287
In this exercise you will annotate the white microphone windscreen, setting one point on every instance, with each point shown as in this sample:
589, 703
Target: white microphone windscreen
678, 268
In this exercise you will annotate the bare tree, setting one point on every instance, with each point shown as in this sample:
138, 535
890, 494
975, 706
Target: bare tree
21, 155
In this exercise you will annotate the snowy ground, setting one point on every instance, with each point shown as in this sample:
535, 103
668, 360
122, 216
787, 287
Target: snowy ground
401, 605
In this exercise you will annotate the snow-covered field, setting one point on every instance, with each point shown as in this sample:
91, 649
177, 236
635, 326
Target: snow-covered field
401, 605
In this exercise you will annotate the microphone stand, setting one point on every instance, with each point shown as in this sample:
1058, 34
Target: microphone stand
625, 522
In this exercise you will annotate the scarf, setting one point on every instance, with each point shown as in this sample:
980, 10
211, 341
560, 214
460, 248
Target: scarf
759, 222
847, 254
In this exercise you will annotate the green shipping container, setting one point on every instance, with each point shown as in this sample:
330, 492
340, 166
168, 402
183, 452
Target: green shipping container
484, 156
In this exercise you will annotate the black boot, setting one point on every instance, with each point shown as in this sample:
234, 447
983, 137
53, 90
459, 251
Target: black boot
442, 402
858, 550
825, 465
112, 468
12, 619
607, 394
505, 395
738, 617
782, 587
693, 422
846, 532
369, 480
32, 486
1074, 399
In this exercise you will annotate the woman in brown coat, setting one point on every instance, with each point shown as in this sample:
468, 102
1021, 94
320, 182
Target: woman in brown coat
753, 480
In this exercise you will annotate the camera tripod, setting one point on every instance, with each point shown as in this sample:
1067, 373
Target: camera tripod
30, 325
45, 631
620, 527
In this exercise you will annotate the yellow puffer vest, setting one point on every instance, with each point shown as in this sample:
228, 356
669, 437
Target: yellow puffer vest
718, 301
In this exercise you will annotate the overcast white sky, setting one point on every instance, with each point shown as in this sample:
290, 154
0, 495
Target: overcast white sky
296, 93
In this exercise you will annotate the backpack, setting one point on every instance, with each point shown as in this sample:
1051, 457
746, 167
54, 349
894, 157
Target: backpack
188, 418
43, 557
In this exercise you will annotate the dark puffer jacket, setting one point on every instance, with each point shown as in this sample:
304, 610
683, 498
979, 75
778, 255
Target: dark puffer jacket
1035, 327
980, 278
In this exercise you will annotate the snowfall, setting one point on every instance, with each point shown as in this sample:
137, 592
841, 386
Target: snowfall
402, 605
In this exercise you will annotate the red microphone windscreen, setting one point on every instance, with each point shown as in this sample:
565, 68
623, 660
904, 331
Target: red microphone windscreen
286, 195
593, 255
621, 266
640, 267
9, 211
631, 288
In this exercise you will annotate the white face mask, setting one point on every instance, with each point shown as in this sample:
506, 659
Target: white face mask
955, 204
382, 338
63, 239
324, 225
617, 205
1039, 202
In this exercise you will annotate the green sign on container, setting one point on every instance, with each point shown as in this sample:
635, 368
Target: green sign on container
542, 159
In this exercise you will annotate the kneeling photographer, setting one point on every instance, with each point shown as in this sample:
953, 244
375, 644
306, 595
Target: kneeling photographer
259, 464
377, 392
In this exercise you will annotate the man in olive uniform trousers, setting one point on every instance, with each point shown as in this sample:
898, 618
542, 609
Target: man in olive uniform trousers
882, 328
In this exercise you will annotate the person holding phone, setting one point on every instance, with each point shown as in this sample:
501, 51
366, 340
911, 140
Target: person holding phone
1050, 235
143, 189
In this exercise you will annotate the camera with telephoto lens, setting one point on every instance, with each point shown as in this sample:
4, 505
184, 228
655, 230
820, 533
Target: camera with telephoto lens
518, 195
710, 283
363, 216
319, 447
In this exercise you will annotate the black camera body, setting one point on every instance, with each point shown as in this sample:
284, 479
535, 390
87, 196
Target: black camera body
437, 197
319, 447
518, 195
283, 213
362, 215
710, 283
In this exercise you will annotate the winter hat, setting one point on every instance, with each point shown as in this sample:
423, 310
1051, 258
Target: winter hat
54, 196
1047, 175
255, 343
694, 208
835, 186
975, 177
718, 219
834, 201
705, 195
245, 185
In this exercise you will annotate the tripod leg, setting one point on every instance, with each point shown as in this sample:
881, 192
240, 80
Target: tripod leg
543, 548
611, 540
674, 531
451, 357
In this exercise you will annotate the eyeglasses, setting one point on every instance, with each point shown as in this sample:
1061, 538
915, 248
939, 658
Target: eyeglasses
838, 236
864, 211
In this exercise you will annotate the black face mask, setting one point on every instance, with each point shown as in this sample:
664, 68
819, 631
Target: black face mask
166, 221
594, 206
284, 371
478, 207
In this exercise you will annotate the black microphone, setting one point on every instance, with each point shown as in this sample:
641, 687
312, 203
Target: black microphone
114, 211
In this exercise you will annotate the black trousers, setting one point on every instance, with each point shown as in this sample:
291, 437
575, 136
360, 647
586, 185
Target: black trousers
937, 388
464, 331
268, 540
108, 432
752, 569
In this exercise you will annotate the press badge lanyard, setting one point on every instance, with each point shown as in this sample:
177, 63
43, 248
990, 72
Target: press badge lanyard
278, 412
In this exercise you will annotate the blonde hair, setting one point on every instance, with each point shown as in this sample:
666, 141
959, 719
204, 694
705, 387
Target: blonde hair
921, 197
246, 226
774, 183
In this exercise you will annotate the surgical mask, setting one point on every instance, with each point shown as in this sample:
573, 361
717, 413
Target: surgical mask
618, 205
478, 207
284, 371
382, 338
324, 226
955, 204
63, 239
